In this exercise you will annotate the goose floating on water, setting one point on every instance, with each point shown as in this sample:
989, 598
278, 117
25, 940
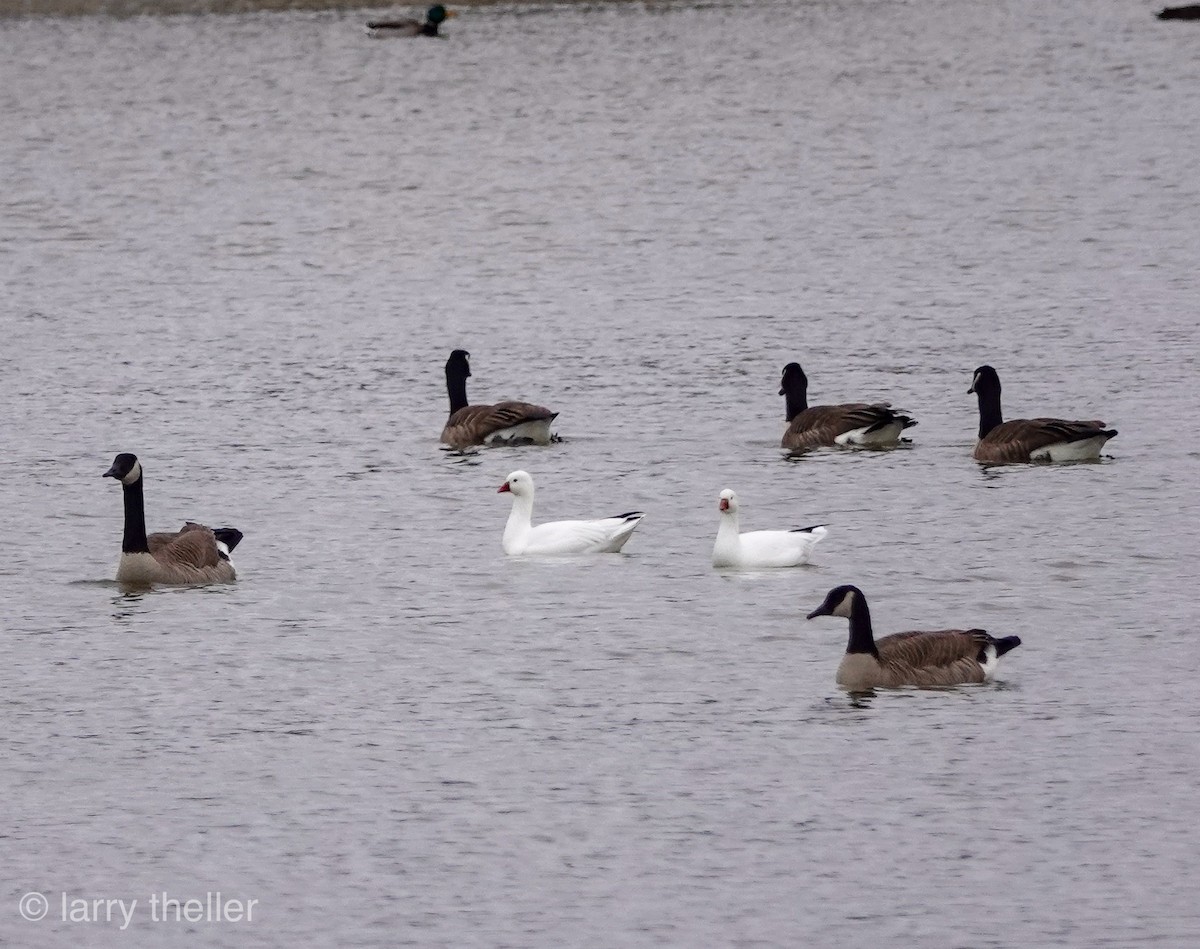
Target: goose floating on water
759, 549
597, 536
509, 423
435, 16
941, 658
1029, 439
195, 554
1189, 12
859, 424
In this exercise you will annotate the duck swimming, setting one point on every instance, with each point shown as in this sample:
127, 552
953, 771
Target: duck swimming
434, 17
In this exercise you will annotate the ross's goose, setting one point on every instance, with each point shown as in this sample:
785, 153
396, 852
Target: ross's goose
756, 549
602, 535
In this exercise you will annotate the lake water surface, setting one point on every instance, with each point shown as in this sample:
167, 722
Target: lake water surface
242, 247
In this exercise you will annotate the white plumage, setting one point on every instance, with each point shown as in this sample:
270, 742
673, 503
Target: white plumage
1086, 449
758, 549
884, 436
596, 536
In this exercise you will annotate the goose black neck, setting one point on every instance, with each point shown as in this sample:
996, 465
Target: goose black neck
797, 402
989, 410
456, 386
134, 539
862, 638
796, 391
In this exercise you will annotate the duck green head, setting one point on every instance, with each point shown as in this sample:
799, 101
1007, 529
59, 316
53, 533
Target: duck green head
437, 14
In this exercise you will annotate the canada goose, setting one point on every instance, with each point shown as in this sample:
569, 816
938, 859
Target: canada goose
1190, 12
1029, 439
603, 535
756, 549
945, 657
195, 554
434, 17
867, 425
512, 423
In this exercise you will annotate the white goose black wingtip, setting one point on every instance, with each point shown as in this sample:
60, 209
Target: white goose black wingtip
556, 538
761, 549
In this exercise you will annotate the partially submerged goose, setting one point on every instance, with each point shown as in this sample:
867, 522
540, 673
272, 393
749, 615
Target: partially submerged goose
435, 16
1029, 439
941, 658
758, 549
861, 424
195, 554
1189, 12
512, 423
599, 536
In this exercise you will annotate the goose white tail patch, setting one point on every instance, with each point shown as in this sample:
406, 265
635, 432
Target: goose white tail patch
536, 432
1082, 450
989, 662
886, 435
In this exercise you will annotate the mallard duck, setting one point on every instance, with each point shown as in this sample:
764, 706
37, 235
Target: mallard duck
434, 17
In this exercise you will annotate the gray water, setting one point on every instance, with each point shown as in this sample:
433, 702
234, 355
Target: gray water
242, 247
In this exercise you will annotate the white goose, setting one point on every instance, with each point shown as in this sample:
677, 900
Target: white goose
758, 549
600, 536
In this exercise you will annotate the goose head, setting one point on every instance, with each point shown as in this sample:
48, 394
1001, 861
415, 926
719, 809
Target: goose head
794, 387
985, 381
839, 601
519, 484
794, 380
125, 468
458, 365
729, 502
